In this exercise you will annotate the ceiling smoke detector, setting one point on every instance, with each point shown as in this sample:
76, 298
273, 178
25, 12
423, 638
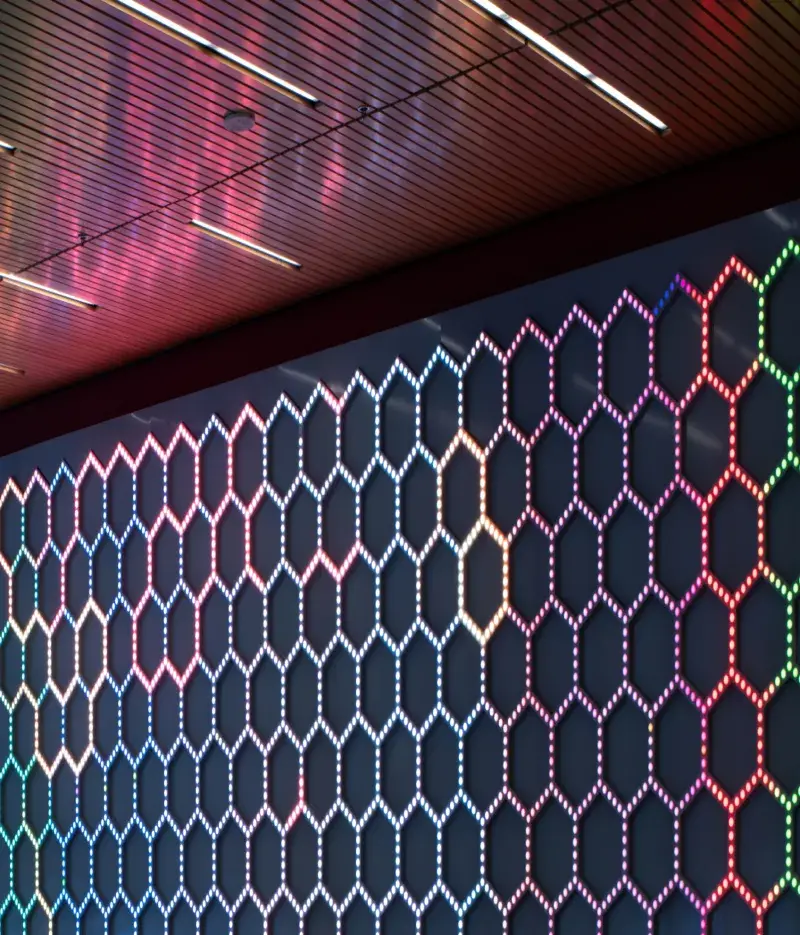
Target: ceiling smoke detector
239, 121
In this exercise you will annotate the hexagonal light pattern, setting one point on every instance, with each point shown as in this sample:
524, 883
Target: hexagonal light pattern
259, 737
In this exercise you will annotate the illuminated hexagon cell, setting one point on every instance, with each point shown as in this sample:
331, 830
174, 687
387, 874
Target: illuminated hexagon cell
705, 637
483, 394
418, 503
762, 426
398, 434
734, 536
601, 854
602, 655
484, 577
706, 424
628, 548
506, 469
654, 655
577, 745
678, 542
654, 449
626, 750
530, 397
761, 834
576, 370
734, 331
577, 565
460, 489
652, 831
554, 654
678, 345
733, 740
626, 347
764, 623
704, 835
783, 760
783, 516
319, 442
601, 463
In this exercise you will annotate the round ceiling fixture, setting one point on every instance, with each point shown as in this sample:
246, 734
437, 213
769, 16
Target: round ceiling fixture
238, 121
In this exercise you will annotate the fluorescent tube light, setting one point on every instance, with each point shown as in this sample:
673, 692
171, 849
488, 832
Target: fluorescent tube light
248, 245
45, 290
8, 147
550, 51
13, 371
154, 18
627, 104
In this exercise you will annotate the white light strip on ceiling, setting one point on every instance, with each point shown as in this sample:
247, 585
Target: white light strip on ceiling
186, 35
45, 290
245, 244
543, 45
626, 103
12, 370
8, 147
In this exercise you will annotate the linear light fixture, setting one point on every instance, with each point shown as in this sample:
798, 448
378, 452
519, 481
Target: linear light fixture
248, 245
8, 147
12, 370
565, 61
145, 14
45, 290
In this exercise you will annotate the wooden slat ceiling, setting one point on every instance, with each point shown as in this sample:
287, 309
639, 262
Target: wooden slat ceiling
119, 136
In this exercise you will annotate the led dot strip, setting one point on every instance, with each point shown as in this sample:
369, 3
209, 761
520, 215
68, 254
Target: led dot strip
563, 60
42, 642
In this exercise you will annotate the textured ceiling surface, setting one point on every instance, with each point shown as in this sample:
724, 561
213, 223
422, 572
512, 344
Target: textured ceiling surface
120, 143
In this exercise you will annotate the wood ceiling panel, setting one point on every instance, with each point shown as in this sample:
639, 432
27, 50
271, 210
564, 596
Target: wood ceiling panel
119, 134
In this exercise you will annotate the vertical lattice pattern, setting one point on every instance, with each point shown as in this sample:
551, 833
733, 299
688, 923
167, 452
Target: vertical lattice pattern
498, 647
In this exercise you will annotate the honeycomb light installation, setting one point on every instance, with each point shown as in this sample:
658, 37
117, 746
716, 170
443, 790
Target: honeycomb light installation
255, 812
